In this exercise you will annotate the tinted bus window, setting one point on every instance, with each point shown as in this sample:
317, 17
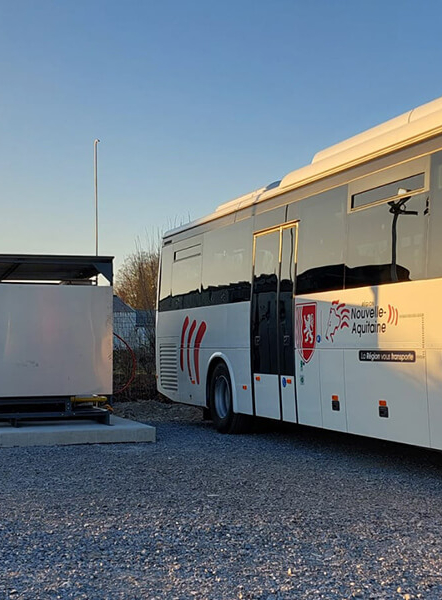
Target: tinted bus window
186, 277
166, 274
435, 216
384, 249
227, 264
285, 305
321, 241
389, 190
264, 303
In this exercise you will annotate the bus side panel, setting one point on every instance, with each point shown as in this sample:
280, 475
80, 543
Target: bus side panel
434, 379
431, 294
191, 338
308, 389
384, 334
390, 328
333, 401
387, 401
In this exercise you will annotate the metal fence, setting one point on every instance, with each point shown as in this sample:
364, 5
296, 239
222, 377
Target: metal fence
134, 353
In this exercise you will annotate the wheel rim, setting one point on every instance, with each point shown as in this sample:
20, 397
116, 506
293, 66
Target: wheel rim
222, 396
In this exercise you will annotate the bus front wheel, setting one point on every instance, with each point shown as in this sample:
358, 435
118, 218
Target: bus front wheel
221, 403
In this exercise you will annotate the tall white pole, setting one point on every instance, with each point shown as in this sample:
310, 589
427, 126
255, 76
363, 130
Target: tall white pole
96, 194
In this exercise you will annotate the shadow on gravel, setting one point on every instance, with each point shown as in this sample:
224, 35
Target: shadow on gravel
331, 444
340, 445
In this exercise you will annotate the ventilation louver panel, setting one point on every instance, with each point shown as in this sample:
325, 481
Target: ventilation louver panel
168, 367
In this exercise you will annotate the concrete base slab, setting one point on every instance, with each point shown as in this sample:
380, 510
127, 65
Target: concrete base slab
67, 433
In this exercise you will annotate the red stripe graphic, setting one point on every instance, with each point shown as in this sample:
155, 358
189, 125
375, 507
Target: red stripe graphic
189, 338
393, 315
183, 334
196, 352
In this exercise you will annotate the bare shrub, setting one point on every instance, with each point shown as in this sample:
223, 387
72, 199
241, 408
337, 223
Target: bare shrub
136, 286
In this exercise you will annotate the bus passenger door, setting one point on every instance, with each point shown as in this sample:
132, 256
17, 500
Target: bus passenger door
286, 325
272, 343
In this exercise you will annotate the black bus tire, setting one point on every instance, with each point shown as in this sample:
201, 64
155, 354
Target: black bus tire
221, 403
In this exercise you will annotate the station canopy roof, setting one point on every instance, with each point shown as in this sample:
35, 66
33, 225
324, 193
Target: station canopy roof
40, 267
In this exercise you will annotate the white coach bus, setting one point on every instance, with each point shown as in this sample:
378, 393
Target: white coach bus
318, 299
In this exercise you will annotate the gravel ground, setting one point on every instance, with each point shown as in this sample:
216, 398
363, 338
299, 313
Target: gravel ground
154, 412
278, 514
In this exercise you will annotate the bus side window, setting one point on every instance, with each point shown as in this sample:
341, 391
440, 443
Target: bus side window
435, 216
165, 293
321, 242
186, 277
227, 264
381, 251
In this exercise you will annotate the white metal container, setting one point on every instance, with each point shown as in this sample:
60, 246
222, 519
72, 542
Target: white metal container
55, 340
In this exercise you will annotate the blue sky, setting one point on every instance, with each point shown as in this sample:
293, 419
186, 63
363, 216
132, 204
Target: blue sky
195, 102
